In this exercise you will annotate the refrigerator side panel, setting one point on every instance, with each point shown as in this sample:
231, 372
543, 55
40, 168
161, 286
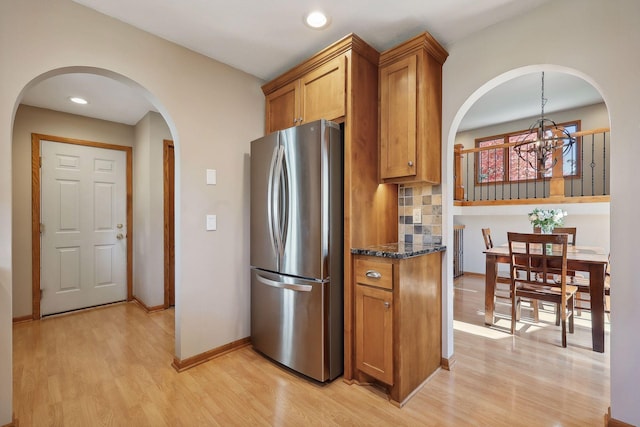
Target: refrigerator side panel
264, 152
288, 322
304, 190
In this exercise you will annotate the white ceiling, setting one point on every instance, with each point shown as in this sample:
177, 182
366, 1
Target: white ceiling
266, 38
108, 98
521, 97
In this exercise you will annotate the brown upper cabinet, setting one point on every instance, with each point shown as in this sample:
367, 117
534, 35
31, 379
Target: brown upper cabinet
318, 94
410, 79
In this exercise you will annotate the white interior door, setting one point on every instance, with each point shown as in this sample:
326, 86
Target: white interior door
83, 239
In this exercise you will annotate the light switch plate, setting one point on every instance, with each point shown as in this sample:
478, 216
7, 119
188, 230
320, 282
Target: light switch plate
417, 216
211, 177
211, 223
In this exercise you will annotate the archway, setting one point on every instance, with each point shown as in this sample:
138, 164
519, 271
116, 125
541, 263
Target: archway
451, 211
88, 130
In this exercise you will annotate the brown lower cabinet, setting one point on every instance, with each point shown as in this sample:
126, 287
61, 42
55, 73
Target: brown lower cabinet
397, 322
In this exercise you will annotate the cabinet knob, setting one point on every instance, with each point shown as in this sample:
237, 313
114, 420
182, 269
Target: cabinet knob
387, 304
300, 119
295, 121
373, 274
410, 163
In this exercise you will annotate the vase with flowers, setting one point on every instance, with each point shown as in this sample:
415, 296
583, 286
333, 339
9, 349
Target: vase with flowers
547, 219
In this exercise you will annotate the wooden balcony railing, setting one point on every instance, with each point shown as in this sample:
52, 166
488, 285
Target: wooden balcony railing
586, 181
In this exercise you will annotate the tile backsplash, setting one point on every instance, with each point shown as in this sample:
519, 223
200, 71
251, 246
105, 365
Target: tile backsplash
427, 198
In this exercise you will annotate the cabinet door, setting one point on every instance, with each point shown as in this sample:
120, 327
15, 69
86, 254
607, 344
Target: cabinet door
323, 91
282, 109
374, 332
398, 118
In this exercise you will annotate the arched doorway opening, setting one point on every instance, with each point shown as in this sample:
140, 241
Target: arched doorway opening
143, 129
511, 218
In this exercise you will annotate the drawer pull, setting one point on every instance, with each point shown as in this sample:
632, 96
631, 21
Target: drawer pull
373, 274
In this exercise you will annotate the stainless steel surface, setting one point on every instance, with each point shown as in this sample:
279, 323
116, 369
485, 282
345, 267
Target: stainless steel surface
296, 235
288, 323
263, 250
305, 204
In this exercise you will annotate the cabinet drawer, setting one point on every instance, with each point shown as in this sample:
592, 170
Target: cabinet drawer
374, 273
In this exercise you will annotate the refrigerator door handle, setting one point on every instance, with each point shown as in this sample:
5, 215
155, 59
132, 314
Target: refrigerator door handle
270, 200
276, 203
291, 286
285, 198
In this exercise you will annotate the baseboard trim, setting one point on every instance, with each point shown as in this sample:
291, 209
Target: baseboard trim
22, 319
14, 422
612, 422
148, 309
190, 362
447, 363
472, 274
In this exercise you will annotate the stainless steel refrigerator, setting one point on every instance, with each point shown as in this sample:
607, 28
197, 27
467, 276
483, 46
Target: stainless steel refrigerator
297, 248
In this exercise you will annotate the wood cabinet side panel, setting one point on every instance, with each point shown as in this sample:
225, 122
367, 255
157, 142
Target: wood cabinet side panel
417, 345
370, 209
374, 209
430, 125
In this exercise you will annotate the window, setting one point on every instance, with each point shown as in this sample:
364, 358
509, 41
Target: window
503, 164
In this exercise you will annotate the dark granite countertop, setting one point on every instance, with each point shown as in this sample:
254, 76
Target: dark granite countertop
398, 250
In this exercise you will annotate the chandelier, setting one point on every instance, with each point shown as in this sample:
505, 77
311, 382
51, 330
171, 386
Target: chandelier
538, 144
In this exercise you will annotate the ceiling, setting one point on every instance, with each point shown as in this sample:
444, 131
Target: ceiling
272, 38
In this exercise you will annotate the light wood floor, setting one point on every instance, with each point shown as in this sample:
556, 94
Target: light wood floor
111, 366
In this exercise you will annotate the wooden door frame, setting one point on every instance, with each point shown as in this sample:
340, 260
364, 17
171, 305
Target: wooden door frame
169, 217
36, 138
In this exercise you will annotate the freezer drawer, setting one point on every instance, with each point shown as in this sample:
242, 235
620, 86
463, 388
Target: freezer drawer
289, 322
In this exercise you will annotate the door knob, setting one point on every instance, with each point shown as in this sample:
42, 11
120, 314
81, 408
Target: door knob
119, 226
119, 236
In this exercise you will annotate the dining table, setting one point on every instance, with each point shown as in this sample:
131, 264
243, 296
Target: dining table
589, 259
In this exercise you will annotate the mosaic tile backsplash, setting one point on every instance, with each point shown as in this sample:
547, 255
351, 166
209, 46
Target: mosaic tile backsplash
428, 198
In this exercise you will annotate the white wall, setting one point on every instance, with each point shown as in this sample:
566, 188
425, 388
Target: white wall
213, 112
590, 219
38, 120
601, 47
148, 209
591, 117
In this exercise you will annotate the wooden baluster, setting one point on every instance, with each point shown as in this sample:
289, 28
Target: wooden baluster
459, 188
556, 186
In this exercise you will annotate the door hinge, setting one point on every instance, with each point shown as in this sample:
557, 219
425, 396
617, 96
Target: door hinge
40, 162
41, 228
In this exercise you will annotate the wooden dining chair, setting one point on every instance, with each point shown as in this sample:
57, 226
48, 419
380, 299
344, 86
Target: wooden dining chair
540, 274
576, 279
503, 282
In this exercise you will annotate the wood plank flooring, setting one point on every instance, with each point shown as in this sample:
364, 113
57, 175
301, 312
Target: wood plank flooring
111, 367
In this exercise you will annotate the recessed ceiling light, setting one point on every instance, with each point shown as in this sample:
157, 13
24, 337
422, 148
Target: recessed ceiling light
316, 19
78, 100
